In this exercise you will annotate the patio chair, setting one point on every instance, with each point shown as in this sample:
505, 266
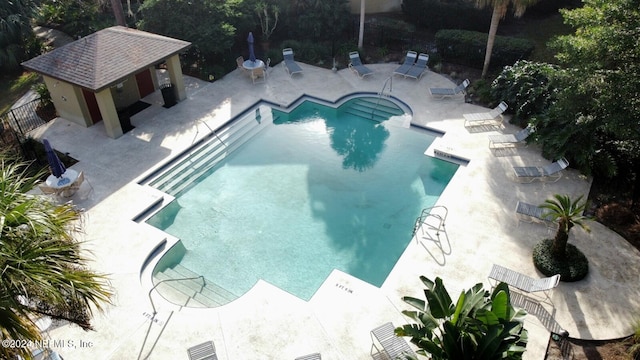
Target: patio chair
506, 140
392, 346
531, 213
418, 69
290, 64
48, 190
314, 356
551, 172
409, 60
204, 351
450, 92
257, 74
492, 117
523, 282
356, 65
239, 62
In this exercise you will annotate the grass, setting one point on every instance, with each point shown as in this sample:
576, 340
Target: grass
13, 86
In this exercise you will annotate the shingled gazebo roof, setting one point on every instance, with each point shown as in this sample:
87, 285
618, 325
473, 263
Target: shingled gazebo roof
106, 57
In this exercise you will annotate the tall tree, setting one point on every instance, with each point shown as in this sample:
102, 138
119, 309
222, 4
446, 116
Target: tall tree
500, 8
44, 272
15, 32
208, 24
604, 52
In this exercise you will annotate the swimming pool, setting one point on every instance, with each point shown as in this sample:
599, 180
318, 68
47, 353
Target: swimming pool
316, 189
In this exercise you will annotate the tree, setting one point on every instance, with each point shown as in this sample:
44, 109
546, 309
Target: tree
499, 11
44, 272
208, 24
567, 213
16, 35
604, 52
479, 325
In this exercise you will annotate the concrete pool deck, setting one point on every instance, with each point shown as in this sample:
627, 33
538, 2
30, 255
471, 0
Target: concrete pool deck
268, 323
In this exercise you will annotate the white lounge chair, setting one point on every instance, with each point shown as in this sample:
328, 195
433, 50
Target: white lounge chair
392, 346
523, 282
418, 69
409, 60
290, 64
530, 213
450, 92
493, 117
204, 351
551, 172
507, 140
356, 65
314, 356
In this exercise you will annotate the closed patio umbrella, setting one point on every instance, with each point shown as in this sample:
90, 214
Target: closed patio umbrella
55, 165
252, 55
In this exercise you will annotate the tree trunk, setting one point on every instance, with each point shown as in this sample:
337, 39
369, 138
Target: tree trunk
361, 32
559, 246
118, 12
498, 12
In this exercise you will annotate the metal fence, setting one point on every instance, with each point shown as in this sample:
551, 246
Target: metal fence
16, 123
29, 116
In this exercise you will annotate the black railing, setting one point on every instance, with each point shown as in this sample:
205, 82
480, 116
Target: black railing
29, 116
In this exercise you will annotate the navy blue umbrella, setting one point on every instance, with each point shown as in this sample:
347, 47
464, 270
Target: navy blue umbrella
56, 166
252, 55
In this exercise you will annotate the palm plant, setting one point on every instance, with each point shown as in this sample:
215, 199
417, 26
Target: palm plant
567, 213
479, 325
44, 272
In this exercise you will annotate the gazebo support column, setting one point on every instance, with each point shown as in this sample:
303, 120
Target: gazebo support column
175, 75
109, 113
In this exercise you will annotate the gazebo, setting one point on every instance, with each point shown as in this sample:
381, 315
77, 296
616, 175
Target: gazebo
92, 78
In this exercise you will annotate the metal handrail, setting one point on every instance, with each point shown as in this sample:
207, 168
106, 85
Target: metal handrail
389, 81
167, 280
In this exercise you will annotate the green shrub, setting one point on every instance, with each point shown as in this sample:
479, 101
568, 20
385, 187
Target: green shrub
469, 47
527, 87
573, 268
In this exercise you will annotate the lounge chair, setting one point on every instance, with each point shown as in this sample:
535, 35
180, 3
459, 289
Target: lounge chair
392, 346
356, 65
530, 213
493, 117
450, 92
409, 60
418, 69
552, 172
204, 351
290, 64
314, 356
506, 140
523, 282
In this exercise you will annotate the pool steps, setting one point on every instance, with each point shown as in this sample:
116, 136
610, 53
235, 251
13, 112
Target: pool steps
189, 166
378, 109
192, 292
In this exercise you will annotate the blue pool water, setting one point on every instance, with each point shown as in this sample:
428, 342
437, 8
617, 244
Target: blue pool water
317, 190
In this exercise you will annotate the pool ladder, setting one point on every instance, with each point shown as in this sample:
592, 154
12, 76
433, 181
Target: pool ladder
439, 215
388, 81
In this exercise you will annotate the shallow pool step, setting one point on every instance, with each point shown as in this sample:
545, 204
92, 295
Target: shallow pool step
185, 291
373, 109
192, 164
381, 105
